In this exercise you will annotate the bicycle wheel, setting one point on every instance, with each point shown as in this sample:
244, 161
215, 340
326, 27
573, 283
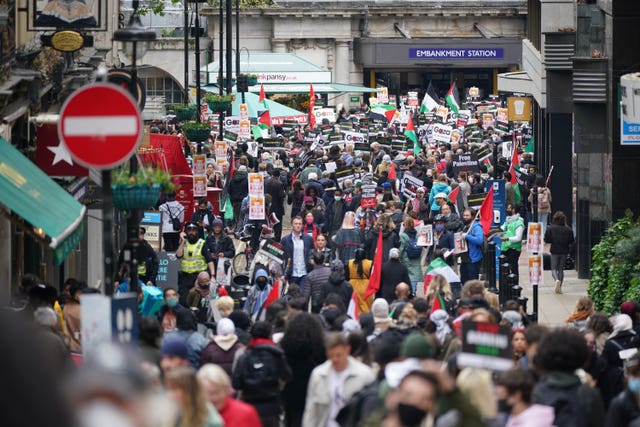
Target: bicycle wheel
240, 263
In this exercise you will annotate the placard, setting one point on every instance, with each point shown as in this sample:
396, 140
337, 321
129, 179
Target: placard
534, 237
502, 115
343, 174
485, 346
459, 243
244, 112
368, 199
355, 138
383, 95
256, 185
441, 133
220, 150
199, 164
199, 186
425, 235
168, 269
442, 112
232, 123
475, 200
487, 120
272, 250
409, 185
464, 163
535, 270
256, 208
245, 129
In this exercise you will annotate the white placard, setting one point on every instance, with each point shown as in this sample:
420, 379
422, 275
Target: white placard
441, 132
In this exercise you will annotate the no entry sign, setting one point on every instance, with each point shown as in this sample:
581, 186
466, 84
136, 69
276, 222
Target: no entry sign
100, 125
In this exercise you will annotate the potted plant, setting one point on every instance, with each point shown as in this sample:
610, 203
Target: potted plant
140, 190
182, 111
196, 131
252, 79
218, 103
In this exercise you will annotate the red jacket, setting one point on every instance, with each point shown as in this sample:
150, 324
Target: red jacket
239, 414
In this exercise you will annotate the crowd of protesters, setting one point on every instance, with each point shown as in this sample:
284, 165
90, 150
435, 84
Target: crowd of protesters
329, 347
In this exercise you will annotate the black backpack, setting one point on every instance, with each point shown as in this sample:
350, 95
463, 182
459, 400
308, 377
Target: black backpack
565, 403
261, 373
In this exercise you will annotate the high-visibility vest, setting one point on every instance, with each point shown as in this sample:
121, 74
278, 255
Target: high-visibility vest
510, 231
192, 259
142, 269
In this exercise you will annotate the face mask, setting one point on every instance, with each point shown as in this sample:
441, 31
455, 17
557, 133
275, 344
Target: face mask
172, 302
261, 283
410, 415
291, 165
439, 227
309, 220
509, 213
503, 406
337, 198
308, 206
204, 286
466, 221
634, 385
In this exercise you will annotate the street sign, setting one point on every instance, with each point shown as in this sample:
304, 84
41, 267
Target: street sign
100, 125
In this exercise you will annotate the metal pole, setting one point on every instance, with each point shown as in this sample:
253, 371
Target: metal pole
107, 231
534, 201
238, 39
186, 51
134, 215
197, 20
220, 44
229, 44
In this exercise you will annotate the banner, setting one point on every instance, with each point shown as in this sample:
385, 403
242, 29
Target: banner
464, 163
475, 200
272, 250
343, 174
534, 237
485, 346
535, 269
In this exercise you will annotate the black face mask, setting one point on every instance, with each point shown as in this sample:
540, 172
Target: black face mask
261, 283
410, 415
466, 221
308, 207
504, 407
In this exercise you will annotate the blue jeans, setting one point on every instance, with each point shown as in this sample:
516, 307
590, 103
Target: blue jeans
469, 271
300, 281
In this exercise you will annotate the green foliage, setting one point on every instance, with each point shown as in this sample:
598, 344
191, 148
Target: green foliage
194, 125
615, 266
145, 175
156, 7
212, 97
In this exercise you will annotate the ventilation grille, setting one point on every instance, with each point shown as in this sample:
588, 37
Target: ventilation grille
558, 56
589, 86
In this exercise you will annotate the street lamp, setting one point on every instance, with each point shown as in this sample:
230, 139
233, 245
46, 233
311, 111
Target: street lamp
135, 38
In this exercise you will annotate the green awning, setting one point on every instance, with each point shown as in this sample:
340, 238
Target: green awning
27, 192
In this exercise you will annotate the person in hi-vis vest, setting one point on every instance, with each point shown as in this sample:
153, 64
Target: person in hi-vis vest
194, 257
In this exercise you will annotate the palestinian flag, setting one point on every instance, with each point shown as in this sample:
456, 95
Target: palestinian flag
453, 101
430, 100
453, 197
264, 117
530, 145
274, 294
486, 211
410, 133
439, 266
353, 311
515, 164
374, 278
386, 111
393, 174
260, 131
438, 303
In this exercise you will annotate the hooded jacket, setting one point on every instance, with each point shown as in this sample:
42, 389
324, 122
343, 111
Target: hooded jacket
439, 187
337, 284
238, 186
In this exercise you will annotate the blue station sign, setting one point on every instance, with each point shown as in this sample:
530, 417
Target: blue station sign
459, 53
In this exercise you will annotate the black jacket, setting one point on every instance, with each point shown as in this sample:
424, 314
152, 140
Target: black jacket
389, 240
622, 410
247, 382
392, 273
560, 237
338, 285
275, 188
146, 255
239, 186
222, 244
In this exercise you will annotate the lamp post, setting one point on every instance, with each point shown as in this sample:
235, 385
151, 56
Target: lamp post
197, 21
134, 38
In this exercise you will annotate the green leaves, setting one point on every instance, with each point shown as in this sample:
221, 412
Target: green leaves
615, 266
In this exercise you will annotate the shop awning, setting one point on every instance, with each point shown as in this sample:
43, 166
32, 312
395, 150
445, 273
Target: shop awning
29, 194
303, 88
520, 82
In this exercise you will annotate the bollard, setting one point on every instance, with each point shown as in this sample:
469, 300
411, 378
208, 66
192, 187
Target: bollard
503, 292
490, 267
523, 303
512, 281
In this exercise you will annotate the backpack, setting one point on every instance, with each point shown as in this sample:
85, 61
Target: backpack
261, 379
565, 403
413, 250
175, 222
543, 199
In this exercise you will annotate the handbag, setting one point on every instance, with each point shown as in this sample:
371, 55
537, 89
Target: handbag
174, 221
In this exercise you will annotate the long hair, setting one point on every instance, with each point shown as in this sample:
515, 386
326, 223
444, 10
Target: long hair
194, 404
359, 255
303, 339
438, 284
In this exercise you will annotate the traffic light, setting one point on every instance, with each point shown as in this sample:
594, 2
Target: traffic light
242, 83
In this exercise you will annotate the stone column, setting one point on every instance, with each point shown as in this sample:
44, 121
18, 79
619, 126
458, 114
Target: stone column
341, 70
279, 45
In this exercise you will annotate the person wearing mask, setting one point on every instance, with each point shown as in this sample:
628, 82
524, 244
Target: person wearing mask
560, 236
219, 244
203, 216
471, 260
298, 247
310, 228
335, 212
334, 382
201, 298
513, 389
217, 386
511, 240
167, 313
194, 258
625, 407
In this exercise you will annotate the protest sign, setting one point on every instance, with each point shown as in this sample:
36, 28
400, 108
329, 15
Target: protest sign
535, 269
459, 243
355, 138
485, 346
220, 150
272, 250
199, 186
442, 112
487, 120
409, 185
425, 235
342, 174
475, 200
230, 136
325, 113
368, 199
256, 208
256, 185
483, 152
245, 129
383, 95
168, 267
232, 123
441, 133
534, 237
199, 164
464, 163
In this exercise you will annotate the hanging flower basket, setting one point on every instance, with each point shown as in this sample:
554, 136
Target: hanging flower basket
252, 80
218, 103
197, 131
130, 197
183, 112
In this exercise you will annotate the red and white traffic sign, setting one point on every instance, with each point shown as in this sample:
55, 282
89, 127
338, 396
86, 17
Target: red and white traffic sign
101, 125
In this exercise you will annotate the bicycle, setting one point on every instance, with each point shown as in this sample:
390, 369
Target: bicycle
241, 262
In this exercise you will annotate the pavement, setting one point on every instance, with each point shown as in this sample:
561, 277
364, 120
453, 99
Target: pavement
553, 308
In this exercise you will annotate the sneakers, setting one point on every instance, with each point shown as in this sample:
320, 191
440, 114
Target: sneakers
558, 287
